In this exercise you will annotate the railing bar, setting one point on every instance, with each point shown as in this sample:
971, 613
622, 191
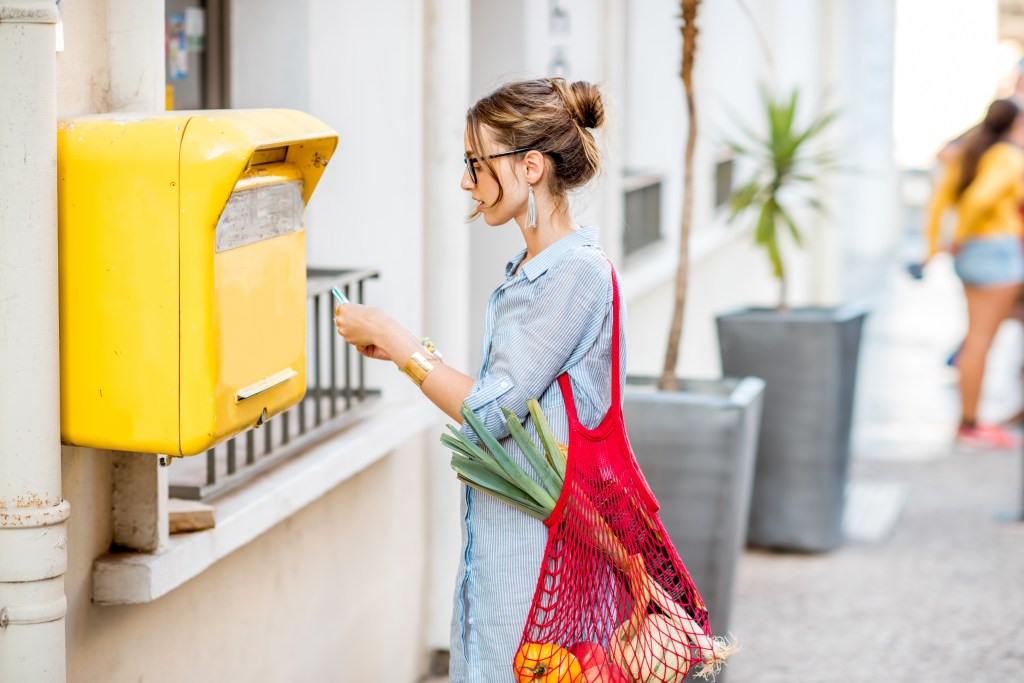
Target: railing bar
333, 351
286, 432
362, 358
348, 358
250, 448
316, 359
335, 278
268, 438
311, 313
211, 467
231, 457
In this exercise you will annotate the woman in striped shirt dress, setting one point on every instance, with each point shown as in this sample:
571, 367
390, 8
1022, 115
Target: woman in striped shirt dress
528, 144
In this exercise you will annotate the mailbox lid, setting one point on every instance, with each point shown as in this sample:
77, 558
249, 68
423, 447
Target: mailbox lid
243, 291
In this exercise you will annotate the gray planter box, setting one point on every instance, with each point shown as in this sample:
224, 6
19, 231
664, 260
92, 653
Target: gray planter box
808, 358
696, 448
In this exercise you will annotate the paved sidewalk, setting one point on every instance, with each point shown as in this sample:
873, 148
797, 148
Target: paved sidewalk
941, 598
934, 589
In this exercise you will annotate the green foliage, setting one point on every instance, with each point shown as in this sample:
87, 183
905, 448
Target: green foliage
786, 169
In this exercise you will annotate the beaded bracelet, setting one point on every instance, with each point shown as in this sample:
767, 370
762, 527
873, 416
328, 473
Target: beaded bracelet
432, 349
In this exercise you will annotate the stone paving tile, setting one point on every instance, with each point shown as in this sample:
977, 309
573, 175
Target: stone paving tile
941, 600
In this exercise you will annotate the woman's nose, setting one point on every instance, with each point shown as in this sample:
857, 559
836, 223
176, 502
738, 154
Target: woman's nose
467, 182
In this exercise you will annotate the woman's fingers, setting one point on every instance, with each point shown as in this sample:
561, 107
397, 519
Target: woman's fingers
364, 327
346, 320
337, 319
372, 351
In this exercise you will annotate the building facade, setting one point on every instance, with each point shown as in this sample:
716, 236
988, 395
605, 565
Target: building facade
339, 564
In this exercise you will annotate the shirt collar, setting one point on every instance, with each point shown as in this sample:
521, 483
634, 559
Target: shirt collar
539, 264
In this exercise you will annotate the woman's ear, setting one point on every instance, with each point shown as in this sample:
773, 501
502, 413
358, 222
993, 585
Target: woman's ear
535, 165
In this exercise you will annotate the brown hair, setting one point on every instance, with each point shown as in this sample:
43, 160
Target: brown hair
998, 121
548, 115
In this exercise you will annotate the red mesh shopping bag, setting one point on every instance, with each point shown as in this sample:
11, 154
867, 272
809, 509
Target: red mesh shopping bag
613, 602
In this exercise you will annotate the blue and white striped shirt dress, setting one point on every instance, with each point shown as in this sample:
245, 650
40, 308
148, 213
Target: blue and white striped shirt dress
552, 316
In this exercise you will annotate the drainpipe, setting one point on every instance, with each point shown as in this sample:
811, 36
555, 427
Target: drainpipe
33, 554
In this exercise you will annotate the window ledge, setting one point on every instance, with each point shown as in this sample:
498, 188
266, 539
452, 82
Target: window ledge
245, 514
655, 265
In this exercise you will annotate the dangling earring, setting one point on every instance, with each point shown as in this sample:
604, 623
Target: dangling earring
531, 208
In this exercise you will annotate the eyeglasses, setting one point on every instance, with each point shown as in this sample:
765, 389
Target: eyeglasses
472, 161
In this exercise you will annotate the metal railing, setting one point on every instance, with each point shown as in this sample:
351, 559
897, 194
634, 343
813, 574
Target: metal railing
336, 394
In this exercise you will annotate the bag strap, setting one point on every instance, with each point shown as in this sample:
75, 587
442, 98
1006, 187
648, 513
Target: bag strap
563, 379
616, 350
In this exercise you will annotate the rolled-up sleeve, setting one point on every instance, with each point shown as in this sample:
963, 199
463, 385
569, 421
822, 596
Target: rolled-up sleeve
564, 318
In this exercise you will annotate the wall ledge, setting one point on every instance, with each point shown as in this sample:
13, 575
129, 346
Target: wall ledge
655, 265
245, 514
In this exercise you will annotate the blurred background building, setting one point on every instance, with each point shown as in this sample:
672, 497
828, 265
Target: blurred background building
340, 564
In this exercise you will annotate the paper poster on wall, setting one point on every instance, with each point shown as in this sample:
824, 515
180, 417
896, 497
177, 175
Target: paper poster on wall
195, 29
177, 54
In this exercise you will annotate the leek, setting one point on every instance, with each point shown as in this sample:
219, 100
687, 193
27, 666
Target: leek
524, 481
551, 445
548, 477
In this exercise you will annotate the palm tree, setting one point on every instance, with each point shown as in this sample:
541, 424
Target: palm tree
785, 173
667, 381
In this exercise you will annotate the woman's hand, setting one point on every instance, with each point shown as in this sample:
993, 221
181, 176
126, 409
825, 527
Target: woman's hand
373, 332
374, 352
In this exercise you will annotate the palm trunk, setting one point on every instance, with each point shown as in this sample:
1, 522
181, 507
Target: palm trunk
667, 381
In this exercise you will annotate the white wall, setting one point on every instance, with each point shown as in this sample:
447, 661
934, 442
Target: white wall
269, 54
366, 82
334, 593
339, 589
654, 126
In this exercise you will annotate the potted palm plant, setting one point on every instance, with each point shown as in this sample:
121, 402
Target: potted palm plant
696, 439
807, 356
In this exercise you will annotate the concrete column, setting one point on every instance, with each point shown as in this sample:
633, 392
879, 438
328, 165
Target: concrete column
139, 514
446, 270
33, 541
137, 79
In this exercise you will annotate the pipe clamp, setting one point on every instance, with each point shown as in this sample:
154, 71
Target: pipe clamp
29, 13
25, 518
42, 613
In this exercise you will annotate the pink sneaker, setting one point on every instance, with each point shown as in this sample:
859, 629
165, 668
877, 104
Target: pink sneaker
987, 438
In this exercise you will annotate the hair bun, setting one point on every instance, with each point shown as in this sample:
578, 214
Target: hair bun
583, 100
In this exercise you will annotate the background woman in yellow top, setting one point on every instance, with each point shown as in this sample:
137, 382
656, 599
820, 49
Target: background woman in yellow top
984, 182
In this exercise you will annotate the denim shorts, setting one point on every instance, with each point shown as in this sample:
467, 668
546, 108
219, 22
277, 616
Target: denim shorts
990, 262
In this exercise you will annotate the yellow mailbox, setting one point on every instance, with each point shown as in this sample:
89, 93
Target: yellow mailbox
183, 274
